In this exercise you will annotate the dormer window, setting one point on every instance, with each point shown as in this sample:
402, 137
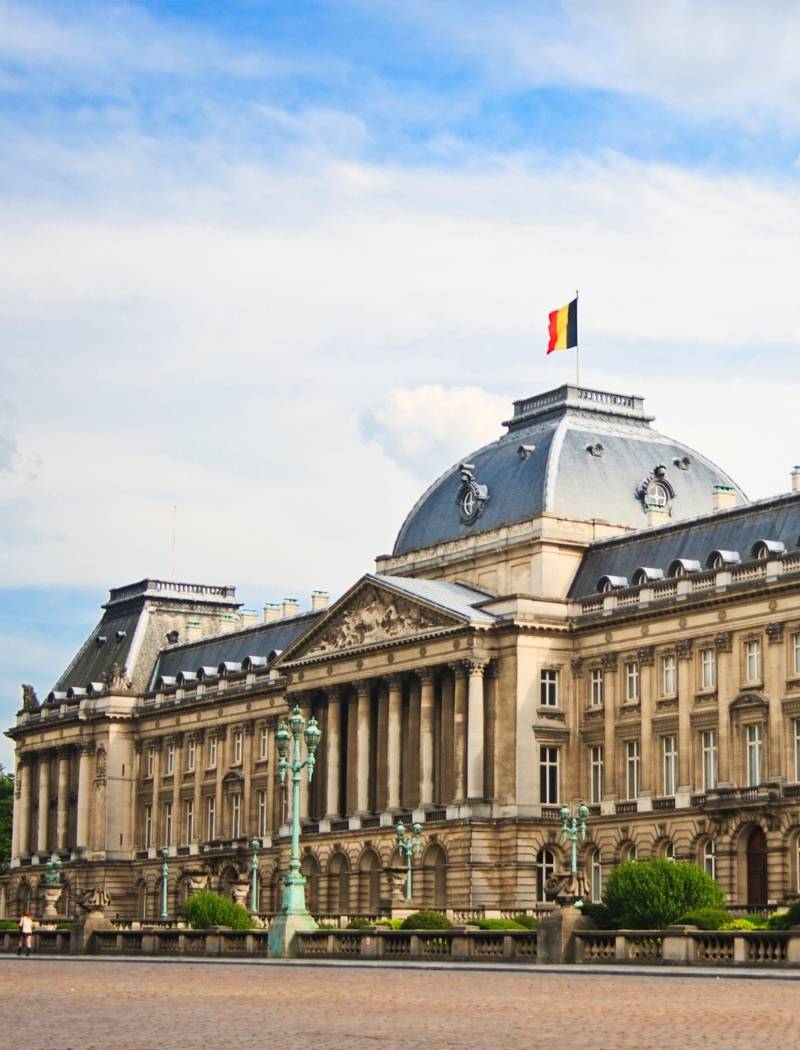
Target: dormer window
763, 549
682, 567
607, 584
718, 560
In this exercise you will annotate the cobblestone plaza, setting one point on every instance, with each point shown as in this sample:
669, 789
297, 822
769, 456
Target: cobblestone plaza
139, 1006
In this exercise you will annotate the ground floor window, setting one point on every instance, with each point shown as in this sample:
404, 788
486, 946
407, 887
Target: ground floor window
545, 868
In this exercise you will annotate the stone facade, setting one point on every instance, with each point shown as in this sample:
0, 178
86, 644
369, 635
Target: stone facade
469, 686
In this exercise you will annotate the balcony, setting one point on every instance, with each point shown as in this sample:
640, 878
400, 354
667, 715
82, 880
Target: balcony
736, 797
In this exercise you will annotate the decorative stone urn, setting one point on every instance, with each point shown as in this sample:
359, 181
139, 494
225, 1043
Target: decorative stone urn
51, 896
240, 891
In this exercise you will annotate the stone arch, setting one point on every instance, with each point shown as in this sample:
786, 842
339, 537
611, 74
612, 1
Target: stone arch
434, 876
309, 867
547, 864
227, 878
369, 881
339, 883
24, 896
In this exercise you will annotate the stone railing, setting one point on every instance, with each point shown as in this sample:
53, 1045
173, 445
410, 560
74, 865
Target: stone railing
690, 947
45, 942
378, 943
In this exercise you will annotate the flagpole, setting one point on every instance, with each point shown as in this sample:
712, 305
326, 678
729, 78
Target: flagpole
577, 349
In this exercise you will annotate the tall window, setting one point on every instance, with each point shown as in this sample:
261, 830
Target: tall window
236, 816
796, 652
632, 680
548, 775
212, 752
755, 750
167, 823
670, 753
632, 768
170, 758
596, 762
545, 868
211, 817
261, 803
710, 859
148, 827
263, 737
189, 820
752, 660
597, 686
708, 668
709, 759
797, 749
597, 876
668, 664
548, 688
151, 761
191, 754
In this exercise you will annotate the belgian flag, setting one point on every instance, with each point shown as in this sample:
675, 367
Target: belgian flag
563, 328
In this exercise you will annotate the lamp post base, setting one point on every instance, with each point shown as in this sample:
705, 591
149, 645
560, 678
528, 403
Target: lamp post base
293, 918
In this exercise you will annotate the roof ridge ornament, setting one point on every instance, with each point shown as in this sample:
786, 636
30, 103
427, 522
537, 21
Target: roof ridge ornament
655, 492
471, 496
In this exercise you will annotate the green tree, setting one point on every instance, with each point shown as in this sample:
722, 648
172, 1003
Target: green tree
652, 894
6, 811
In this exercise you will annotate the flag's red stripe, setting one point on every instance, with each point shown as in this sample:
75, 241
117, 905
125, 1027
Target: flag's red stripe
552, 330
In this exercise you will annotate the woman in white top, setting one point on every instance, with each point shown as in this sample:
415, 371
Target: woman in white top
25, 933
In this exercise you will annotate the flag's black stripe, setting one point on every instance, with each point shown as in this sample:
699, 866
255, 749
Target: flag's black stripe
572, 324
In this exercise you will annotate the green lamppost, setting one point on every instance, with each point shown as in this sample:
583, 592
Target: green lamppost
573, 829
164, 883
255, 845
293, 915
408, 846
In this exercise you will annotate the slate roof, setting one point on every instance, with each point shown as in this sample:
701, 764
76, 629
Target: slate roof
452, 597
232, 647
738, 529
560, 476
94, 659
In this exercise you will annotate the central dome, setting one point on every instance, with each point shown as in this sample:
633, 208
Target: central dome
572, 453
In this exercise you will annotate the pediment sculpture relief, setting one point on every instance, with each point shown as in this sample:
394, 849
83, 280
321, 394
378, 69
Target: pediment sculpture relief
375, 617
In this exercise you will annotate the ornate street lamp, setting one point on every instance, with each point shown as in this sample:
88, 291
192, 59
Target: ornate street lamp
572, 829
293, 915
409, 845
255, 845
164, 882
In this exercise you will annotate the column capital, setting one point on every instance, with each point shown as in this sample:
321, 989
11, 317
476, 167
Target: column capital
646, 655
426, 675
394, 680
271, 722
195, 735
176, 739
363, 687
683, 648
576, 666
86, 747
65, 750
458, 667
475, 665
723, 642
333, 693
774, 632
609, 661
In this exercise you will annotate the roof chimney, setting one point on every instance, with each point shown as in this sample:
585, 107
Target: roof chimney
657, 516
796, 479
249, 618
291, 607
272, 612
723, 497
319, 599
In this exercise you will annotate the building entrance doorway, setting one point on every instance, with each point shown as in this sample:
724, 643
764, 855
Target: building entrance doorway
757, 867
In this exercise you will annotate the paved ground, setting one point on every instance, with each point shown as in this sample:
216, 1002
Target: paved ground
59, 1004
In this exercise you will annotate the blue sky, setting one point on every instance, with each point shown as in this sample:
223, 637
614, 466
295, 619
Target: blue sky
279, 264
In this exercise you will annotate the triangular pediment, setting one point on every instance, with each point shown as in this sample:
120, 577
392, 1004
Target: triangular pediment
370, 614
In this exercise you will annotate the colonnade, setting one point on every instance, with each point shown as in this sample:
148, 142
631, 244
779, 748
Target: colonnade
41, 821
399, 742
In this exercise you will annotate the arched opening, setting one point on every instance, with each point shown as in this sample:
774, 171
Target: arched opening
228, 877
309, 867
338, 885
23, 897
369, 882
434, 877
756, 856
545, 868
708, 858
595, 873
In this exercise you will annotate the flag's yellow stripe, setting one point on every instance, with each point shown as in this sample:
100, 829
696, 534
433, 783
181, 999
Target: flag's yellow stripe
561, 328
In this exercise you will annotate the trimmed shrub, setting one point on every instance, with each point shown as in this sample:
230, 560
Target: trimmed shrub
8, 924
706, 918
391, 924
65, 925
652, 894
779, 921
794, 913
759, 922
497, 924
359, 923
326, 926
426, 920
600, 914
529, 922
212, 909
739, 924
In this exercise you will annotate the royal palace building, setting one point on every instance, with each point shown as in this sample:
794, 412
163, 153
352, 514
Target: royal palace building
583, 609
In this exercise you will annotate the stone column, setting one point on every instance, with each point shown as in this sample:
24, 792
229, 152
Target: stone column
178, 829
44, 802
222, 816
446, 737
411, 754
426, 710
305, 787
156, 822
249, 823
82, 830
475, 743
459, 731
380, 773
199, 830
333, 746
684, 651
724, 645
62, 805
393, 765
610, 701
646, 656
363, 713
19, 846
774, 685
